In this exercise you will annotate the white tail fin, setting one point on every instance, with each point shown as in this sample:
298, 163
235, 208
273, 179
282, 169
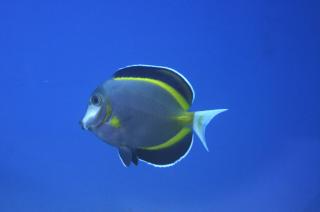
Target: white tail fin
200, 122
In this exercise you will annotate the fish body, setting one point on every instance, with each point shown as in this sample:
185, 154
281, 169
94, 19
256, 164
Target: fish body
144, 112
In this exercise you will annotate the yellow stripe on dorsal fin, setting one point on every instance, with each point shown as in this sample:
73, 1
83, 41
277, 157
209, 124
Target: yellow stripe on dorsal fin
175, 94
167, 75
175, 139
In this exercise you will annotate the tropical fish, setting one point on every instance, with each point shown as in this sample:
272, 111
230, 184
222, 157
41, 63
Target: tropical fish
143, 111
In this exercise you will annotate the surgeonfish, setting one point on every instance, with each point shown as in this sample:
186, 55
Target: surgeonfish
143, 111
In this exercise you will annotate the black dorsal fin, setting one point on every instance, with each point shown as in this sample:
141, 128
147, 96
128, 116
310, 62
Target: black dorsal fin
164, 74
167, 156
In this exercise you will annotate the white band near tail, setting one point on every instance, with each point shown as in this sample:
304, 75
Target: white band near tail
200, 122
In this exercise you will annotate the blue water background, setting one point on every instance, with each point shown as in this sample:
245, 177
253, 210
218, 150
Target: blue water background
259, 59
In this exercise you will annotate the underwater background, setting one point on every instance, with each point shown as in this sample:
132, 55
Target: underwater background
259, 59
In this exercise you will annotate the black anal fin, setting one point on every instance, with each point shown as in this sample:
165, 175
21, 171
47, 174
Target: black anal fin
126, 155
167, 156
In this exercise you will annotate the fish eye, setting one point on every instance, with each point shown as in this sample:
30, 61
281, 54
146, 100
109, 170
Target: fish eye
95, 100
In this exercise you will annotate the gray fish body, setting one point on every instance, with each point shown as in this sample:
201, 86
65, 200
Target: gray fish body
146, 112
143, 112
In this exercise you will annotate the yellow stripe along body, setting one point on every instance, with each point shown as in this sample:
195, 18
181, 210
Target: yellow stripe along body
178, 97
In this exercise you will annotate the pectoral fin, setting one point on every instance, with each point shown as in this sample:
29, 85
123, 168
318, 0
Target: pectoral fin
127, 156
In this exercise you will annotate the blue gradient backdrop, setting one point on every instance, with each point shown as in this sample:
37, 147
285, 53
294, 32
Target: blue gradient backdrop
260, 59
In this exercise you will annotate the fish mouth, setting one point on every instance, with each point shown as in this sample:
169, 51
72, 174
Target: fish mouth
83, 126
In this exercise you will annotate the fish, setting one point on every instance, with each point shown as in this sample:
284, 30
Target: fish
144, 112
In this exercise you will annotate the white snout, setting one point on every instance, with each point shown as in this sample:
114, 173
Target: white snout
90, 117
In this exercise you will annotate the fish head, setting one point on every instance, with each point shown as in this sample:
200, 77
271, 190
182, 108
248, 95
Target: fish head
98, 110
